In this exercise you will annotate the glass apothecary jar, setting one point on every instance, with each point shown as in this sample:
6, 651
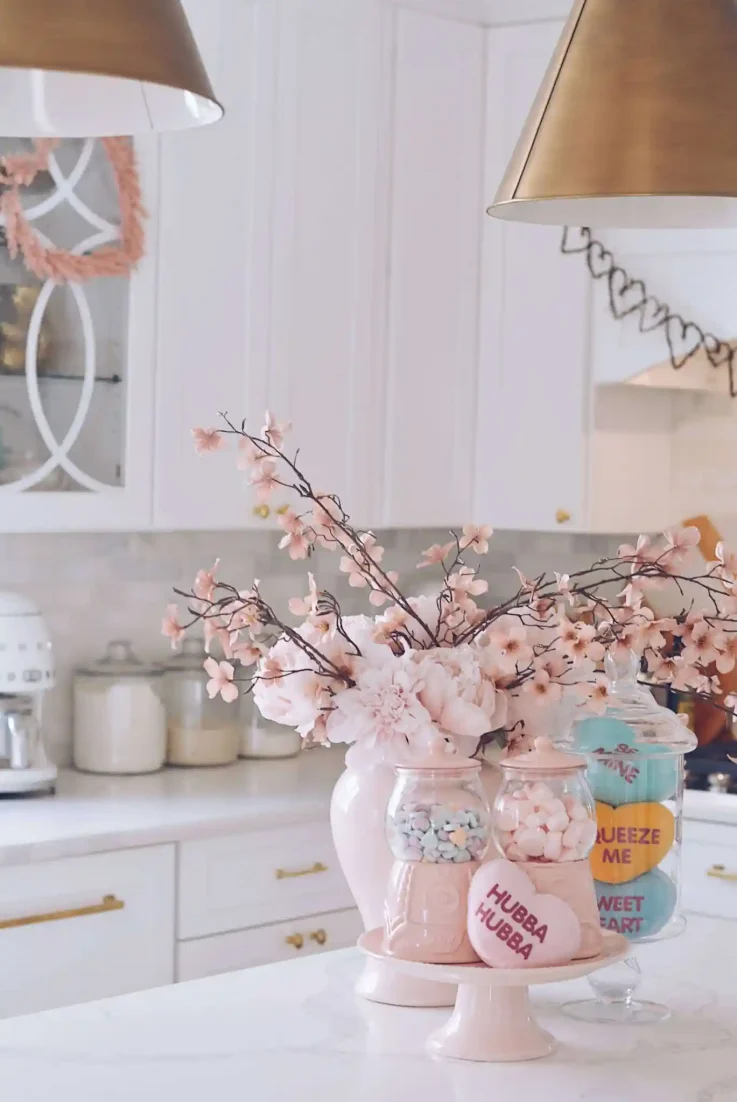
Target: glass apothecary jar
635, 753
201, 730
119, 715
545, 819
262, 739
438, 829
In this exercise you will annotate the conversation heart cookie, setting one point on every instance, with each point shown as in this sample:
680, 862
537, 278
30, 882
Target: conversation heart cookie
638, 909
623, 772
630, 840
511, 925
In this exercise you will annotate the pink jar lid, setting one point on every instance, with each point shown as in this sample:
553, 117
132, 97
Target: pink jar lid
545, 758
440, 755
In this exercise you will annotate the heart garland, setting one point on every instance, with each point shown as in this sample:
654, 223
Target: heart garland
630, 296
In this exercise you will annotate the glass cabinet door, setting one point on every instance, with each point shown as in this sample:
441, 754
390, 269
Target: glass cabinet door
77, 359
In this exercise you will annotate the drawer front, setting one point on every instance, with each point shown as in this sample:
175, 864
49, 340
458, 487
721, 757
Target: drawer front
291, 940
82, 944
709, 877
253, 879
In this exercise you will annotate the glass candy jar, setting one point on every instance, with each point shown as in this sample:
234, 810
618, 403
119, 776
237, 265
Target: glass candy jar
201, 731
635, 754
544, 818
438, 830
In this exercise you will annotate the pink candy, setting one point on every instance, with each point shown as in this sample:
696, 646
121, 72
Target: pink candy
533, 824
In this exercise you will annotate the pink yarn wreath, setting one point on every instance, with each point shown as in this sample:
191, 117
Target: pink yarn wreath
59, 265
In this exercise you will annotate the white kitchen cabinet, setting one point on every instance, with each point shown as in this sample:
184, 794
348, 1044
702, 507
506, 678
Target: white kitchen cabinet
269, 300
303, 937
709, 870
77, 361
532, 396
85, 928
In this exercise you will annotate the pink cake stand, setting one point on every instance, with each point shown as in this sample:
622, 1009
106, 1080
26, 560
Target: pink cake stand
493, 1020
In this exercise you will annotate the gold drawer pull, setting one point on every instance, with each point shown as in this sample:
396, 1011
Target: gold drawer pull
289, 874
295, 940
719, 872
562, 516
320, 936
109, 903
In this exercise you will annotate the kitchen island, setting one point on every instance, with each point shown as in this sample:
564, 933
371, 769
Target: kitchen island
295, 1032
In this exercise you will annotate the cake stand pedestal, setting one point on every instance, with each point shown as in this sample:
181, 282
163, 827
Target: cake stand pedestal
493, 1021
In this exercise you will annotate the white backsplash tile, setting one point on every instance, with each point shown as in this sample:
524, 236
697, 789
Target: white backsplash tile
95, 588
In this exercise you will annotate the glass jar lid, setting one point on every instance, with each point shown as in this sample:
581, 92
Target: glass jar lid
191, 657
544, 758
121, 662
632, 705
439, 756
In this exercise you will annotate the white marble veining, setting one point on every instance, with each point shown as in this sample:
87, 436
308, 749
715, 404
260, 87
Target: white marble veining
296, 1033
96, 814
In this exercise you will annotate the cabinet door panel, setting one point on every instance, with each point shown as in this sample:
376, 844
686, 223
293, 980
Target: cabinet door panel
79, 957
436, 222
269, 299
533, 387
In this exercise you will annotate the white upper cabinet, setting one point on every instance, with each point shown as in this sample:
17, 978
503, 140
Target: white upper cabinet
77, 361
532, 388
436, 220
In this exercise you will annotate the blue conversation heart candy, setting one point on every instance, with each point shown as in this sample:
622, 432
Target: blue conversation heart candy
638, 909
624, 772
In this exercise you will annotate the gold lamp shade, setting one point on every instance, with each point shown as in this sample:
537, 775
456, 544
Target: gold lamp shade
636, 121
90, 68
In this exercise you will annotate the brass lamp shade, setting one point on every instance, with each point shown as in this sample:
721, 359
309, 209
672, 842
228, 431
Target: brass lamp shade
91, 68
636, 121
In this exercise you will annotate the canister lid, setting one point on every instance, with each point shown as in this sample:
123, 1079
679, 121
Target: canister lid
120, 661
545, 758
191, 657
440, 755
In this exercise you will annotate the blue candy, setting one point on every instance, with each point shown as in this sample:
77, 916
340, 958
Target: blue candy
634, 774
638, 909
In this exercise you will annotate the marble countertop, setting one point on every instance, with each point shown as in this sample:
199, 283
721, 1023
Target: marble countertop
295, 1032
95, 814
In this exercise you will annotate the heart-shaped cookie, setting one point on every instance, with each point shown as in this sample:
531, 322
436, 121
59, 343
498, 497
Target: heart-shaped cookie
511, 925
630, 840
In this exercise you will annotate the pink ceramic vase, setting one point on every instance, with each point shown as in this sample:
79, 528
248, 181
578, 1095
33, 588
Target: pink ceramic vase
357, 817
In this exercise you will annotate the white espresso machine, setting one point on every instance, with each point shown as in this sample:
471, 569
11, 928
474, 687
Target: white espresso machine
26, 673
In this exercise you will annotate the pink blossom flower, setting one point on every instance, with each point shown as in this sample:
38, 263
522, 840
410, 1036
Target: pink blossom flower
435, 554
305, 606
527, 585
170, 626
727, 660
205, 582
248, 654
378, 597
383, 709
682, 540
274, 431
356, 576
726, 562
476, 537
221, 680
639, 555
704, 645
553, 664
296, 540
509, 636
542, 688
370, 549
249, 453
597, 695
563, 582
207, 440
213, 629
263, 480
581, 644
466, 584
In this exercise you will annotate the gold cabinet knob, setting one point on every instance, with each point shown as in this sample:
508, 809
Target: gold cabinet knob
295, 940
719, 872
319, 936
562, 516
